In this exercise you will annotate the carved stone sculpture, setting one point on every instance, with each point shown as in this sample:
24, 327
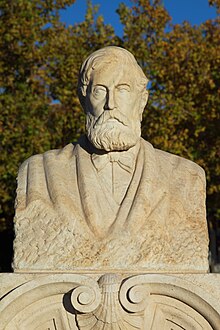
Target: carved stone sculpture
111, 201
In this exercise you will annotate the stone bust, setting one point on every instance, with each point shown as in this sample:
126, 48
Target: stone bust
111, 201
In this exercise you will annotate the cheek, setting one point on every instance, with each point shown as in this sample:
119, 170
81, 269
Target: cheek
130, 105
123, 103
95, 106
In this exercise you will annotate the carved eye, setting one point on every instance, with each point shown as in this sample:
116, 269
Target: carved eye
123, 89
99, 92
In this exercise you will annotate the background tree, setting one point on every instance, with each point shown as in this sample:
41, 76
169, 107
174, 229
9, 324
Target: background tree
39, 63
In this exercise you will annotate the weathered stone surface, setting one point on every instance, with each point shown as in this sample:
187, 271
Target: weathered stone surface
110, 301
112, 201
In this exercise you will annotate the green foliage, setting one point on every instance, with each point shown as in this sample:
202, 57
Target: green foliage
39, 63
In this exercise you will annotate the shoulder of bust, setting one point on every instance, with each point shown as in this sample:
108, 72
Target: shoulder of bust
179, 163
66, 151
170, 162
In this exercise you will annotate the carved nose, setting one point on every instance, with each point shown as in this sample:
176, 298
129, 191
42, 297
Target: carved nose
110, 102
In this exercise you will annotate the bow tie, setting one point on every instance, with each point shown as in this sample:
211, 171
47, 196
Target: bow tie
124, 159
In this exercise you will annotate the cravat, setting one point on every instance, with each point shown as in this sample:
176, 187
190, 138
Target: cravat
124, 159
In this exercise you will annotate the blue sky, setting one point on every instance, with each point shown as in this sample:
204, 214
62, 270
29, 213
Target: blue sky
195, 11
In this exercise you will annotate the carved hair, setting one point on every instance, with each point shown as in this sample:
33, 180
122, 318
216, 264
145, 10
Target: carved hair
105, 56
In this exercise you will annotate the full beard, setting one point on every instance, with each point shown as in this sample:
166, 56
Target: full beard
112, 131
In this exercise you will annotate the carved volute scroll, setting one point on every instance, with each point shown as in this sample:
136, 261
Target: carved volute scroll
167, 305
109, 314
44, 303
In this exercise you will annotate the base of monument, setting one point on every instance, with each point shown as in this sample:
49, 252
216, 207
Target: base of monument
107, 270
109, 301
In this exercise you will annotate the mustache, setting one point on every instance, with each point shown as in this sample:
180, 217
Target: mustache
113, 114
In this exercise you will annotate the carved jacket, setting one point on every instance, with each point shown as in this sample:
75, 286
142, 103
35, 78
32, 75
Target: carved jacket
64, 212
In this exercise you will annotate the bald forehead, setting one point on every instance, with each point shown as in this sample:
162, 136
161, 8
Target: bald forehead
112, 73
104, 62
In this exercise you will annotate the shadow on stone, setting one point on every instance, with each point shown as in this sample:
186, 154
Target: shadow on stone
67, 304
6, 250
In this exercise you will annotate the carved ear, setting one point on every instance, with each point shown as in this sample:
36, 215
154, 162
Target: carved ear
144, 99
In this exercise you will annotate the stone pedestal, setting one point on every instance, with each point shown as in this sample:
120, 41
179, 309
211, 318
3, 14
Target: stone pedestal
110, 301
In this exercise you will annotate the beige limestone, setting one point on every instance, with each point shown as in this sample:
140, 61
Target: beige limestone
110, 301
111, 202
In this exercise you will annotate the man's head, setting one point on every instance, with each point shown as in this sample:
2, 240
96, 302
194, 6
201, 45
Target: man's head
112, 91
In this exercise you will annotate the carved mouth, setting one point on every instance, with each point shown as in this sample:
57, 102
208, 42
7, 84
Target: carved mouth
114, 120
106, 118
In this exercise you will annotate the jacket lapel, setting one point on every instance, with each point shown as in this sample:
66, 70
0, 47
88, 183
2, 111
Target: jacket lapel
146, 194
99, 207
60, 178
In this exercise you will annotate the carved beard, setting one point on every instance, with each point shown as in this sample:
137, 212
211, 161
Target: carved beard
112, 131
